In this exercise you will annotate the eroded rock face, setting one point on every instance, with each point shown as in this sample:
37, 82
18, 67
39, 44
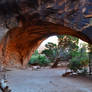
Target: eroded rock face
29, 22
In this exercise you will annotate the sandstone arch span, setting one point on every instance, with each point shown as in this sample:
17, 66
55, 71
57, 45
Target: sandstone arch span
19, 43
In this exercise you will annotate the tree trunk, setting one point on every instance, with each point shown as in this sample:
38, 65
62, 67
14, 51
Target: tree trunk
56, 63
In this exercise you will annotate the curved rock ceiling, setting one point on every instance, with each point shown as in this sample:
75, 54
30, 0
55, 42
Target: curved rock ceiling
72, 12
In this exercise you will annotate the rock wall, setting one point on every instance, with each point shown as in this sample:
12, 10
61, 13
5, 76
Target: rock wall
2, 32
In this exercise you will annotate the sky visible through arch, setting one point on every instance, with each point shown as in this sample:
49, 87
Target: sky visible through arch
53, 39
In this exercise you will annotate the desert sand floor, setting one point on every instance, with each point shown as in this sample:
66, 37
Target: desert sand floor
46, 80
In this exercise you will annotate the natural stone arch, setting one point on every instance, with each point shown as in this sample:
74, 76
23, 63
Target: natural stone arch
20, 43
35, 20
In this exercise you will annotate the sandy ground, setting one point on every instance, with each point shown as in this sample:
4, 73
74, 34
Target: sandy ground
46, 80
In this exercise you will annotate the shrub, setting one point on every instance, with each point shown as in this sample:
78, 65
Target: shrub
34, 59
43, 60
79, 61
39, 59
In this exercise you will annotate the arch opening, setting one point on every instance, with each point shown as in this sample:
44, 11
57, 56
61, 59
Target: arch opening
64, 44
